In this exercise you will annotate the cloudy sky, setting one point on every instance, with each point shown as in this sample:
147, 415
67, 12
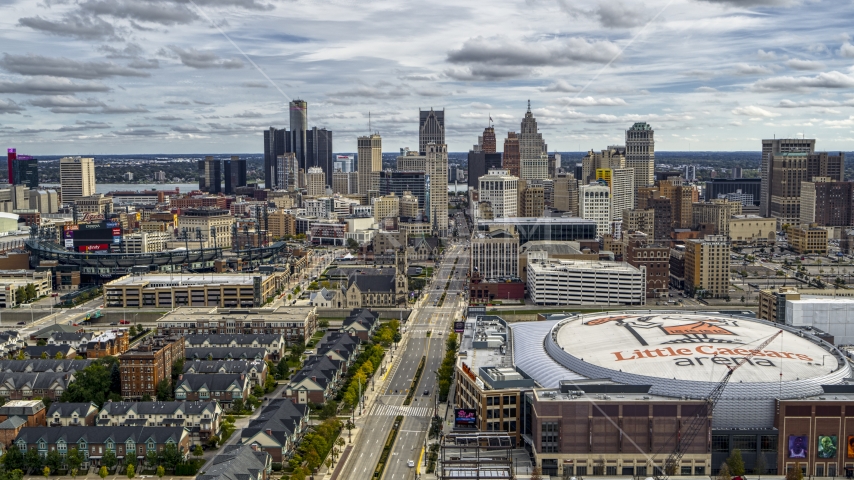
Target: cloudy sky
207, 76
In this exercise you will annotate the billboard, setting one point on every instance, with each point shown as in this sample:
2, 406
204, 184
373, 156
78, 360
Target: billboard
828, 445
459, 326
798, 446
96, 247
465, 417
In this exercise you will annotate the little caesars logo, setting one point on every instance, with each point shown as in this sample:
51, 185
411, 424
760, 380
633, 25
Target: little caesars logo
691, 342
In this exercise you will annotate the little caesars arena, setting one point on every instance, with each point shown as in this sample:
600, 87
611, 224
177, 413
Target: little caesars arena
614, 389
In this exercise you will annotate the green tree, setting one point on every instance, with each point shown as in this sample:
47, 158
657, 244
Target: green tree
160, 472
282, 370
32, 460
131, 460
132, 331
735, 463
59, 356
73, 472
31, 292
13, 459
171, 456
198, 452
109, 459
73, 459
164, 391
95, 383
44, 355
102, 472
53, 460
151, 458
146, 397
131, 471
270, 383
352, 244
46, 472
237, 406
20, 295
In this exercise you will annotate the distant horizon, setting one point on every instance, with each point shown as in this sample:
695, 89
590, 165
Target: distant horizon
353, 153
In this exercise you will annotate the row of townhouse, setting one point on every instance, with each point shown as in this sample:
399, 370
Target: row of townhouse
323, 372
274, 343
89, 345
25, 386
225, 353
239, 462
222, 387
11, 342
255, 370
37, 365
278, 428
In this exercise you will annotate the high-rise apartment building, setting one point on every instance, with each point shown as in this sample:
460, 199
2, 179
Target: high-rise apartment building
500, 189
707, 267
565, 194
431, 128
147, 364
715, 215
639, 221
594, 203
788, 171
621, 181
299, 127
662, 209
531, 199
510, 160
488, 144
479, 163
77, 177
286, 171
533, 154
682, 196
341, 183
826, 203
437, 170
319, 151
387, 206
316, 182
25, 171
610, 158
235, 174
640, 153
769, 149
210, 175
370, 162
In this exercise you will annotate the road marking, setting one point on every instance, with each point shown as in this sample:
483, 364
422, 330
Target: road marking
405, 410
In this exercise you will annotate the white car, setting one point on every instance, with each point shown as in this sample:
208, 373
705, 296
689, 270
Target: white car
411, 463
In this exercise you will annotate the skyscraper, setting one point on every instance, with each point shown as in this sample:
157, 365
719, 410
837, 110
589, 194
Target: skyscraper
594, 203
77, 177
511, 154
315, 181
769, 149
788, 171
210, 175
500, 189
11, 156
640, 153
299, 126
431, 128
25, 171
276, 142
235, 174
533, 157
488, 145
370, 162
437, 170
479, 163
319, 147
286, 171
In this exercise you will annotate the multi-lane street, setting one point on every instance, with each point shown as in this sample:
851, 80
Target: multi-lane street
426, 332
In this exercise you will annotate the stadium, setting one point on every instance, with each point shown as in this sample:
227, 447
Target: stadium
683, 355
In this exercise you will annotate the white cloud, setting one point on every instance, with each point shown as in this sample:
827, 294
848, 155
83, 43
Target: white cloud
591, 102
822, 80
847, 50
754, 111
798, 64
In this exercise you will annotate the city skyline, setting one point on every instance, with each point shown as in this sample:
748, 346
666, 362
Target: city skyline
100, 77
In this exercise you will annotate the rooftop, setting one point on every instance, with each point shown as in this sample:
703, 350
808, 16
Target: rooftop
536, 221
571, 265
161, 280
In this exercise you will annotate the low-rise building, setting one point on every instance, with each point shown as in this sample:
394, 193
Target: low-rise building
316, 381
50, 351
63, 414
40, 365
222, 387
361, 323
145, 242
27, 386
108, 344
576, 282
808, 239
772, 303
17, 414
239, 462
256, 370
278, 428
495, 254
10, 341
273, 343
296, 324
77, 340
225, 353
201, 418
93, 442
752, 230
149, 363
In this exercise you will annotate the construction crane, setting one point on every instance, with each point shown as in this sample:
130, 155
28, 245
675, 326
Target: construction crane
684, 441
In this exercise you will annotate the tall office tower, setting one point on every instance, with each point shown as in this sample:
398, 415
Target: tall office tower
479, 163
437, 169
286, 171
25, 171
594, 203
235, 174
11, 156
488, 145
299, 127
640, 153
340, 182
621, 181
606, 159
565, 194
410, 161
533, 154
398, 182
531, 199
370, 161
766, 174
500, 189
554, 164
431, 128
316, 181
77, 178
276, 142
210, 175
319, 147
788, 171
511, 154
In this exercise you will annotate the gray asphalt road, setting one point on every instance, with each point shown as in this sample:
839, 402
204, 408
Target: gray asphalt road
375, 425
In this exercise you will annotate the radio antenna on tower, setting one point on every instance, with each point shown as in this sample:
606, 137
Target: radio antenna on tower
370, 130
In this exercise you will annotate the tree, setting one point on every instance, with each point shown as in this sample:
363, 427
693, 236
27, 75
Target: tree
73, 459
59, 356
151, 458
171, 456
31, 291
53, 460
21, 295
32, 460
146, 397
131, 460
73, 473
131, 471
198, 452
13, 459
761, 465
795, 473
102, 472
44, 355
323, 324
160, 472
735, 463
164, 390
132, 331
46, 472
536, 473
352, 244
724, 473
109, 459
282, 370
237, 406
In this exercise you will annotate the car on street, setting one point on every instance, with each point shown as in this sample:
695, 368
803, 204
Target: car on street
426, 392
21, 323
411, 463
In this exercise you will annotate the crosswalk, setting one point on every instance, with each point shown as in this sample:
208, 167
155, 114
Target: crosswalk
405, 410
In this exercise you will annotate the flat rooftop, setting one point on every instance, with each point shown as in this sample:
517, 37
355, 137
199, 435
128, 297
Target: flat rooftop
570, 265
281, 314
22, 403
546, 395
164, 280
